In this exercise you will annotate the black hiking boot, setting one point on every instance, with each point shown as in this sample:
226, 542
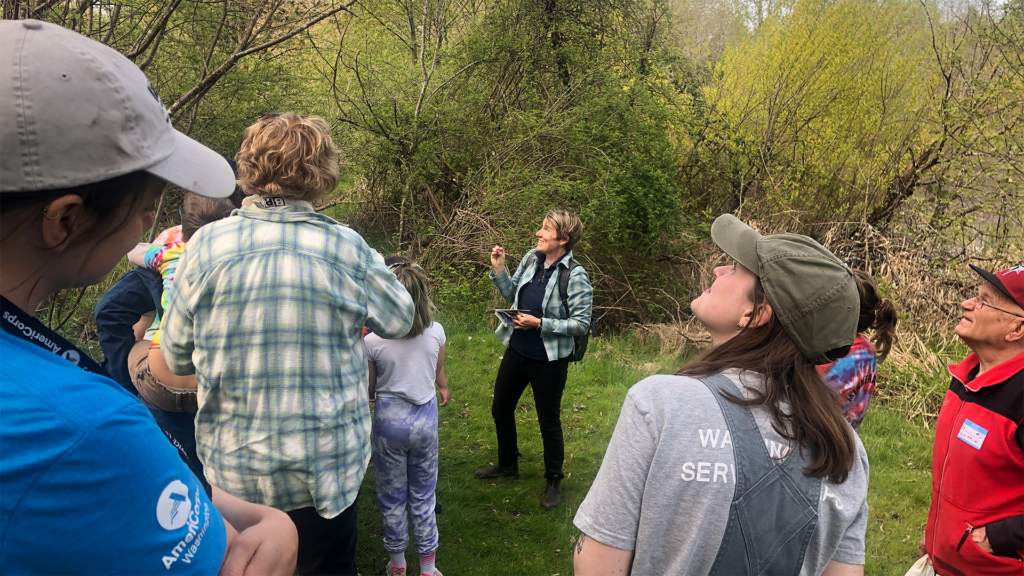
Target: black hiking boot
552, 494
497, 471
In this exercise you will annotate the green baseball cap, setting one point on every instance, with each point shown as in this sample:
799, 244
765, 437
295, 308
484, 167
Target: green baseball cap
811, 291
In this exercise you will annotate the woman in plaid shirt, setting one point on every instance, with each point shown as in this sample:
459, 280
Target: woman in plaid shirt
540, 342
267, 309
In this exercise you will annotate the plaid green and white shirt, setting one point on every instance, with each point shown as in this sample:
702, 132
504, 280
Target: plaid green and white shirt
267, 309
556, 329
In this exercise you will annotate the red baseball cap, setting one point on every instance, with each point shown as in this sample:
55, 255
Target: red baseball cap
1009, 281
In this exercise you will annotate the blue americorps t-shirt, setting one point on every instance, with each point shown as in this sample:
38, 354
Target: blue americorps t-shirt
90, 483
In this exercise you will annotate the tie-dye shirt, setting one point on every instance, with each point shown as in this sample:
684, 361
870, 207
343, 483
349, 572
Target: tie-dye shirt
172, 234
853, 378
164, 261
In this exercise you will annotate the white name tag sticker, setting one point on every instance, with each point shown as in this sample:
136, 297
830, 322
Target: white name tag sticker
972, 434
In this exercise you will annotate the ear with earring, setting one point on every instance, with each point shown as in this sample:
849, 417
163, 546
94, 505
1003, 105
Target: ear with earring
47, 216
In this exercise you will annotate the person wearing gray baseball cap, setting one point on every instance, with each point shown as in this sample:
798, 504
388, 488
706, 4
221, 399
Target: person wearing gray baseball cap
86, 148
742, 462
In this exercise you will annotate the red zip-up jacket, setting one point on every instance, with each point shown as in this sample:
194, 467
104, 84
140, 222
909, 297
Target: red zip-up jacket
978, 471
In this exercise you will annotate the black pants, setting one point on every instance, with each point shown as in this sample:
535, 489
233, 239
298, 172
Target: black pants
326, 546
548, 382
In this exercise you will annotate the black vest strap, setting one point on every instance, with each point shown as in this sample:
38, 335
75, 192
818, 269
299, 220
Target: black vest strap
20, 324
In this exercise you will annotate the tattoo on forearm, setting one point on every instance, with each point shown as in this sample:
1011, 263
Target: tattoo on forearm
579, 543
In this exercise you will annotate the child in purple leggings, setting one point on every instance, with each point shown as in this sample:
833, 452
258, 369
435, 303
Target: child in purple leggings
402, 377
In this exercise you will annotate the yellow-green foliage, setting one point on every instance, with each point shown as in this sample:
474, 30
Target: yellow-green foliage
824, 100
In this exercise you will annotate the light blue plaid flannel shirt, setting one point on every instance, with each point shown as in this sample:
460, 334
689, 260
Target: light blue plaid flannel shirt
556, 329
267, 308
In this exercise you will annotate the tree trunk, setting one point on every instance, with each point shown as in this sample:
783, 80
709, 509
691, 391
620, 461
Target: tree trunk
551, 27
902, 187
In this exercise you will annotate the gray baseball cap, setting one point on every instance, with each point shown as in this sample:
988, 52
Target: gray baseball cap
75, 112
811, 291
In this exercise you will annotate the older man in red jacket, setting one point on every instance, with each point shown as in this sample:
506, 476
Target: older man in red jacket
976, 521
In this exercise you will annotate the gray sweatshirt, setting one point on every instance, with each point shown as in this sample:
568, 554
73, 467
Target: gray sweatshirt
665, 485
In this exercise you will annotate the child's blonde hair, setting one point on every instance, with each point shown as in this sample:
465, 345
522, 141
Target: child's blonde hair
415, 281
288, 155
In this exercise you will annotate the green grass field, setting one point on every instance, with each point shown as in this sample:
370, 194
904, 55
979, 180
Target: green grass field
497, 527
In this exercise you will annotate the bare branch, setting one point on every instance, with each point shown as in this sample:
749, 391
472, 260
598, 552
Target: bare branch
152, 52
299, 30
216, 38
243, 49
43, 6
113, 24
155, 30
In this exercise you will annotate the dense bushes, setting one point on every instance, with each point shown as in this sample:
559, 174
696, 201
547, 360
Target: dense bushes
831, 118
859, 122
507, 113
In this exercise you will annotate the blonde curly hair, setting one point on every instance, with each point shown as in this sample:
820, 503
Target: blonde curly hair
289, 155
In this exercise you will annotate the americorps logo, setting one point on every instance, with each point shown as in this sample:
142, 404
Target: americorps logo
173, 507
71, 356
197, 524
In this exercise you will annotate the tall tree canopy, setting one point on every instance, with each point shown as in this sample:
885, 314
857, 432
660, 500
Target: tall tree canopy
463, 121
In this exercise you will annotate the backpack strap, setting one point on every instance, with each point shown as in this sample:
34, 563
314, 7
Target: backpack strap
530, 261
563, 285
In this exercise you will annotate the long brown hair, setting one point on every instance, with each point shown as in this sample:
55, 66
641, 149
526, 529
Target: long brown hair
415, 281
876, 313
814, 420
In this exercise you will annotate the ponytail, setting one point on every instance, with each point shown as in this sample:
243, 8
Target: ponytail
876, 313
885, 328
